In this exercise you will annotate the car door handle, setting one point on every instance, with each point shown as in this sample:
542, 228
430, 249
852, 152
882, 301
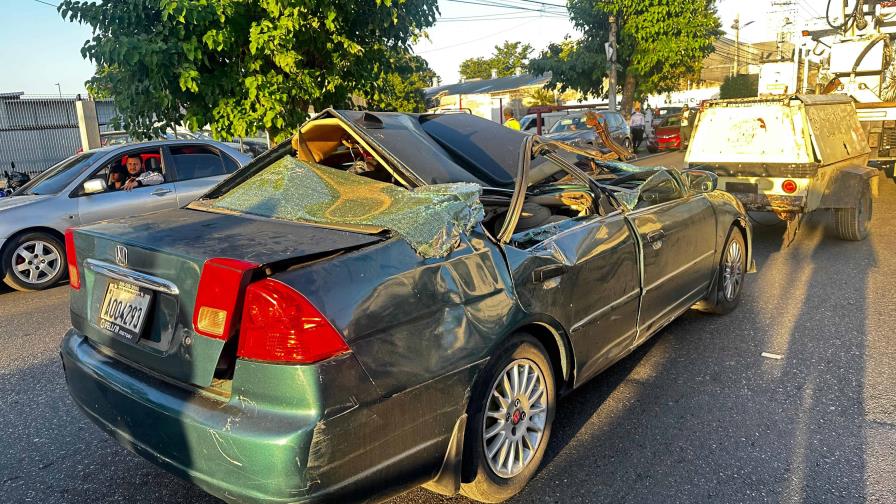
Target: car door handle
656, 236
547, 272
160, 192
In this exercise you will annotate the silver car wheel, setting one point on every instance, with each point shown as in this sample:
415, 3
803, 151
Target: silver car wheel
35, 262
733, 271
515, 418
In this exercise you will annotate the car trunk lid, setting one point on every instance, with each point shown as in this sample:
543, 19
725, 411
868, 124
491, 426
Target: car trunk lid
148, 269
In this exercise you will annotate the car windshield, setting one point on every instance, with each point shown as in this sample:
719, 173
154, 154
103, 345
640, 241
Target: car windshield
59, 176
572, 123
671, 121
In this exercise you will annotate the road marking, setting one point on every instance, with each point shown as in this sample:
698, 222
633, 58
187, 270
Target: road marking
772, 356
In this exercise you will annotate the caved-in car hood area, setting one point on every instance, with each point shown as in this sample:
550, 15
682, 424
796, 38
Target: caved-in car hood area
430, 218
195, 233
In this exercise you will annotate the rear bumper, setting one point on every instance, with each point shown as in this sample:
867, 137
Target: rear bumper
234, 450
310, 433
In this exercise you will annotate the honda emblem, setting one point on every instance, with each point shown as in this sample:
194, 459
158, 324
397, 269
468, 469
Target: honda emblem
121, 255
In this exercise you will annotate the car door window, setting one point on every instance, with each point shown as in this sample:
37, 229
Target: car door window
196, 161
151, 160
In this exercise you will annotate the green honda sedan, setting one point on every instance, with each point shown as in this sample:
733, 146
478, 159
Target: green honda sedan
387, 301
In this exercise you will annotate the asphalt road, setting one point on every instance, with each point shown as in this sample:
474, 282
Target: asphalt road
695, 415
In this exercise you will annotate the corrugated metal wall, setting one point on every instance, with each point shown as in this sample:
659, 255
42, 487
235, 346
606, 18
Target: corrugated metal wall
37, 132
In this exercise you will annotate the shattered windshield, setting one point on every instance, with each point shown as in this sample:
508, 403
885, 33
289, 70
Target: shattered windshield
430, 218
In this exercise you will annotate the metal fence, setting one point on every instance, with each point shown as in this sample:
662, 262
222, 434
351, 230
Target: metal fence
37, 132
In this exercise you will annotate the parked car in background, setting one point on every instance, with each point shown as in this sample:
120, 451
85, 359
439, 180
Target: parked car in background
75, 192
573, 130
664, 113
666, 135
250, 146
389, 300
529, 124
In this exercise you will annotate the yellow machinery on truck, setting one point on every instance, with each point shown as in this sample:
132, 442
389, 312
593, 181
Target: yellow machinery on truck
790, 155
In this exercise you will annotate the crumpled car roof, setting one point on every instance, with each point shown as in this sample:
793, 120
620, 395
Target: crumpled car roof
445, 148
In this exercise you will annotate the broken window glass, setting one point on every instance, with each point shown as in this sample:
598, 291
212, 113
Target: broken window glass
430, 218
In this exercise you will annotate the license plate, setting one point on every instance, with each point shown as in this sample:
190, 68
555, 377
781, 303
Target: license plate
742, 187
124, 309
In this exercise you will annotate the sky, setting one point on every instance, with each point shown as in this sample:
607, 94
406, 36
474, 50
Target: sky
38, 49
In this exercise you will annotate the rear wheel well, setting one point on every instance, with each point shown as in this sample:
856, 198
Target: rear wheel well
743, 233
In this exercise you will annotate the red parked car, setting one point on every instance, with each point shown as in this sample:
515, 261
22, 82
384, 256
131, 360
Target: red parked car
666, 135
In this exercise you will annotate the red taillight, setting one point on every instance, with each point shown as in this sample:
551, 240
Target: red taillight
71, 256
220, 285
280, 325
788, 186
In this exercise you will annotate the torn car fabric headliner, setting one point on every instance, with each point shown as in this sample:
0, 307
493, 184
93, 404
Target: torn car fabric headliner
430, 218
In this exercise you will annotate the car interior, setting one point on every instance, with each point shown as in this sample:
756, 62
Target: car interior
554, 201
151, 159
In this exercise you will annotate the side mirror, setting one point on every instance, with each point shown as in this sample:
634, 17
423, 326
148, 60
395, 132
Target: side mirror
700, 181
94, 186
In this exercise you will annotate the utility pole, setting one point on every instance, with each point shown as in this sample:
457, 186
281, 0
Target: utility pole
736, 28
612, 51
59, 88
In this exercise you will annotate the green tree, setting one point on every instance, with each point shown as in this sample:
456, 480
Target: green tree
739, 86
505, 60
404, 87
243, 65
659, 43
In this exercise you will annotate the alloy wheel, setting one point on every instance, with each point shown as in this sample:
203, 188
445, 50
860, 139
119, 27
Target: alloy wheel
515, 418
36, 261
733, 270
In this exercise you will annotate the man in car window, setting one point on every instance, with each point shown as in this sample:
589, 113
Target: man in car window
139, 178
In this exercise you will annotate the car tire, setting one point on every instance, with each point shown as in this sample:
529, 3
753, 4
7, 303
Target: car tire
730, 276
519, 428
627, 143
652, 150
36, 246
853, 223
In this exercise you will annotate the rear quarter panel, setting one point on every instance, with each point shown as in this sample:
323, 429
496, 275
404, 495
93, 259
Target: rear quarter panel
411, 320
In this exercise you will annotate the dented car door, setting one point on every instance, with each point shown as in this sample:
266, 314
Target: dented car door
586, 277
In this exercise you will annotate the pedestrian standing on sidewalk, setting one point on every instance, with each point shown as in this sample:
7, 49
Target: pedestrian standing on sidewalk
636, 123
509, 120
685, 125
648, 121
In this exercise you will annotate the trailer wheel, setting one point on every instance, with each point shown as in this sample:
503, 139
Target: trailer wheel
852, 223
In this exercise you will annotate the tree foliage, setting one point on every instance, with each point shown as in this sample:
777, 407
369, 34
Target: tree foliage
243, 65
404, 86
505, 60
740, 86
659, 43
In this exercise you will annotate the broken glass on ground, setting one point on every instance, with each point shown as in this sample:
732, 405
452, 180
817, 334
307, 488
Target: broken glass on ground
430, 218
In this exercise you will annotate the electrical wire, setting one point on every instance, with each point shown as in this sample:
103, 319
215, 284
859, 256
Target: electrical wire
476, 39
505, 6
47, 3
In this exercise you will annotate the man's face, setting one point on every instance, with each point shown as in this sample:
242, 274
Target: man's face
134, 166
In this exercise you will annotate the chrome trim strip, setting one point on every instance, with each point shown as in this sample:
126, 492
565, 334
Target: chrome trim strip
679, 270
599, 313
126, 275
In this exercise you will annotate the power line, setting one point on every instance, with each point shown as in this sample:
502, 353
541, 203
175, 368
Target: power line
47, 3
498, 17
476, 39
504, 6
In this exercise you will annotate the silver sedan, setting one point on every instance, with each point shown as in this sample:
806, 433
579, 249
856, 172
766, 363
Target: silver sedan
77, 191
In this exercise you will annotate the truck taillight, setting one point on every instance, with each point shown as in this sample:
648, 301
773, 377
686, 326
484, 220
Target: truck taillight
71, 257
280, 325
217, 299
789, 186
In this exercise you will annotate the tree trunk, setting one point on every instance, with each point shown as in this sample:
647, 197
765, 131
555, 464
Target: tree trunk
628, 94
